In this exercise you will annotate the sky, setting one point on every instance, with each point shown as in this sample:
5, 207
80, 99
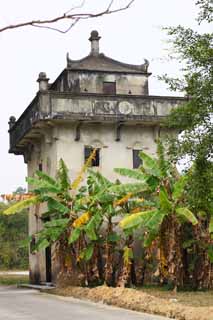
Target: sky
128, 36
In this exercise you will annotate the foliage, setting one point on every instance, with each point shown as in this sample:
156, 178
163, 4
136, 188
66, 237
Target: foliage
13, 233
194, 51
8, 280
94, 227
169, 212
206, 10
75, 219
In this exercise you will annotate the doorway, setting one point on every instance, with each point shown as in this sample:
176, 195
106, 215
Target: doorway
48, 264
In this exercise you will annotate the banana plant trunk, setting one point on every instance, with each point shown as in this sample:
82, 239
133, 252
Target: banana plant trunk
109, 255
171, 255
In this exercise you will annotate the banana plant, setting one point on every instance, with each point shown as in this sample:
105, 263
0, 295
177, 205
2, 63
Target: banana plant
167, 212
53, 192
59, 196
81, 222
95, 224
98, 217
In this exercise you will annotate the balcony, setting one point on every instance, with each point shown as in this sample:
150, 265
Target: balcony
52, 107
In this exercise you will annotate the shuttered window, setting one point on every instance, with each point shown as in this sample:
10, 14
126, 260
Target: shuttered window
96, 161
137, 162
109, 87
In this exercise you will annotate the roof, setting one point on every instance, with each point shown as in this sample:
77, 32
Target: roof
104, 63
96, 61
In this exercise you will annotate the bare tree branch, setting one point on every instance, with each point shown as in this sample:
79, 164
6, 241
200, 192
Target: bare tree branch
56, 29
75, 17
110, 5
76, 7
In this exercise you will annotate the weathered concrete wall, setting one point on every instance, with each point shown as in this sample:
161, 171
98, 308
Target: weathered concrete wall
93, 82
111, 107
44, 152
112, 153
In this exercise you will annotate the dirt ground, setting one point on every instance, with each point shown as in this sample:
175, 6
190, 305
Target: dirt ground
192, 299
181, 306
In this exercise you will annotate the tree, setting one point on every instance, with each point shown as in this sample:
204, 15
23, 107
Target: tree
194, 51
13, 233
194, 118
71, 16
20, 190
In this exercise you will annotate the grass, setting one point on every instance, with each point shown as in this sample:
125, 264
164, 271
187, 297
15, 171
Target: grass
8, 280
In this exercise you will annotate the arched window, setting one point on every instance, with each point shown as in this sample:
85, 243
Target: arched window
137, 162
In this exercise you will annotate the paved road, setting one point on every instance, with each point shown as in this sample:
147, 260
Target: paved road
27, 304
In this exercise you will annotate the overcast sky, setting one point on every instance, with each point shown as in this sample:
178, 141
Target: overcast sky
127, 36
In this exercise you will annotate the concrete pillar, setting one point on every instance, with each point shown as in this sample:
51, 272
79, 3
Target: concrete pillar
94, 39
43, 81
12, 121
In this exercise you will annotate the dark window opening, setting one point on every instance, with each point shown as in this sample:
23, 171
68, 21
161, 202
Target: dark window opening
87, 152
40, 167
48, 259
137, 162
32, 244
109, 87
48, 256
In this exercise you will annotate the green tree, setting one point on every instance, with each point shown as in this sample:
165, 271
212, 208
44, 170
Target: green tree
13, 233
20, 190
194, 51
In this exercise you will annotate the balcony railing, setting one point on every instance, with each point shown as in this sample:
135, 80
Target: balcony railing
90, 107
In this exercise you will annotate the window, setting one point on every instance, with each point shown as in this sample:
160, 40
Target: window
109, 87
40, 167
137, 162
87, 152
32, 244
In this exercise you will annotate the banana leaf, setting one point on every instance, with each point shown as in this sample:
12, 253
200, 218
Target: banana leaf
211, 225
136, 219
63, 176
75, 234
46, 178
150, 165
129, 187
178, 188
130, 173
56, 223
42, 186
165, 204
55, 205
187, 215
17, 207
